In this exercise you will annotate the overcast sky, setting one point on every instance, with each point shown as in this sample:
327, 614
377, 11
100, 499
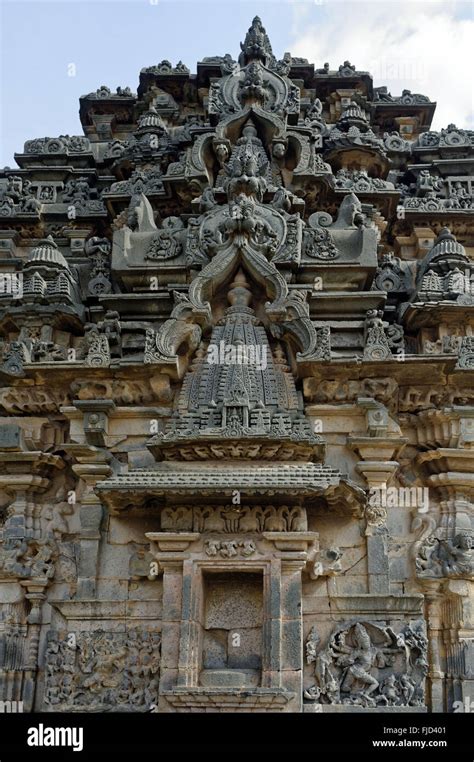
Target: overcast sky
422, 46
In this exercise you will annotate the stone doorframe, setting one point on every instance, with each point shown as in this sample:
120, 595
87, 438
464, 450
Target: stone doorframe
280, 558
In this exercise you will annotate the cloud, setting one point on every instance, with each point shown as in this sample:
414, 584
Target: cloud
425, 47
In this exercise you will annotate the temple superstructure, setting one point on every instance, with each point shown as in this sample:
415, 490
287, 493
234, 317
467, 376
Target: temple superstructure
236, 397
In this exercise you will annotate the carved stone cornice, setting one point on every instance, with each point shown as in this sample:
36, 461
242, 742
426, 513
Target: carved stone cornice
449, 427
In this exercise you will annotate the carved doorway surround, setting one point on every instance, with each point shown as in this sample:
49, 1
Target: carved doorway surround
187, 561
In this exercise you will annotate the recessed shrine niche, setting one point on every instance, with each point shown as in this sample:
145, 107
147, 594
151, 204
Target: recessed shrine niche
231, 621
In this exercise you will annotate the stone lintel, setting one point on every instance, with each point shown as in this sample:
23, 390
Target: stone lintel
380, 606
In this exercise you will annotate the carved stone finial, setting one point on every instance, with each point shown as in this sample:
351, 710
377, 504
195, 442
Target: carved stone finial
239, 294
256, 44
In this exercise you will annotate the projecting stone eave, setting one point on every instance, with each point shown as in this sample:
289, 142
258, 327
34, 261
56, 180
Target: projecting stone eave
134, 491
418, 314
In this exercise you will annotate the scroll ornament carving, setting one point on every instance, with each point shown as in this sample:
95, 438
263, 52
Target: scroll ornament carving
318, 242
162, 346
313, 341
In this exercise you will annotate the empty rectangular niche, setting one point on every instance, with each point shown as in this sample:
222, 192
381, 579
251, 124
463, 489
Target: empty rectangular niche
232, 628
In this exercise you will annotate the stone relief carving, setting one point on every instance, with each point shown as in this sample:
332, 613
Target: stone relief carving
318, 242
63, 144
437, 557
230, 548
377, 346
166, 243
359, 181
98, 352
28, 558
325, 563
466, 353
449, 137
368, 665
230, 519
98, 250
102, 670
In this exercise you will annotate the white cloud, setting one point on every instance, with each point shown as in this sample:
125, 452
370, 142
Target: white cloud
426, 47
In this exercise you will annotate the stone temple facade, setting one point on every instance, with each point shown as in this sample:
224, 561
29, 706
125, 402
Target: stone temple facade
237, 399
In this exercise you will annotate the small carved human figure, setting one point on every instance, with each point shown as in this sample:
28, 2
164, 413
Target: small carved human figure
327, 684
357, 662
459, 560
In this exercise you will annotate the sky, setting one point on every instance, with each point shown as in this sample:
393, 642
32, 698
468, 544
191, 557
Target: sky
53, 52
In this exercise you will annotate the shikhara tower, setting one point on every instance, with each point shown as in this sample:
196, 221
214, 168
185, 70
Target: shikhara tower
197, 535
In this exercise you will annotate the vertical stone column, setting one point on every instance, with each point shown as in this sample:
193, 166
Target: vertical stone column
284, 626
449, 471
190, 634
458, 636
378, 453
180, 635
92, 466
435, 677
171, 621
271, 625
292, 630
35, 594
377, 474
25, 474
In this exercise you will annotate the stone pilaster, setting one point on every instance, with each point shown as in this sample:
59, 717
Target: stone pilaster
92, 465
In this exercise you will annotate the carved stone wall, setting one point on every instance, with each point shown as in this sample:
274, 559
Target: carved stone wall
236, 406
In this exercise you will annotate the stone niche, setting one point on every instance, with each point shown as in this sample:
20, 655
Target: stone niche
232, 625
232, 618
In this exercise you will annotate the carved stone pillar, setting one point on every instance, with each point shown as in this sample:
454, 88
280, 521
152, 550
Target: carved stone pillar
377, 467
377, 451
435, 677
35, 594
24, 474
458, 639
449, 569
92, 466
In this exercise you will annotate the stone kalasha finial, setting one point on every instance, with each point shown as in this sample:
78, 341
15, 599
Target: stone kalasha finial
256, 44
445, 256
239, 294
446, 245
353, 116
151, 121
46, 252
